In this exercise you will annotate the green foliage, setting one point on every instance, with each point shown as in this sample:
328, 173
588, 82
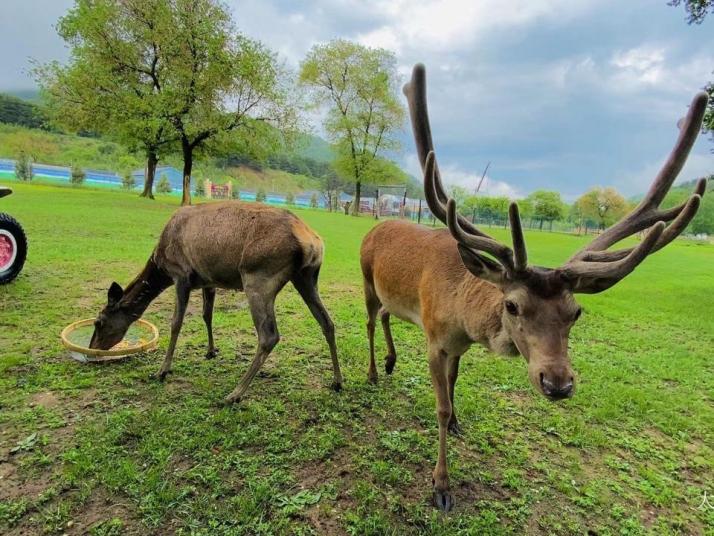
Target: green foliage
64, 150
77, 175
357, 86
260, 195
23, 167
313, 200
703, 222
547, 206
162, 73
290, 198
697, 10
163, 186
602, 205
484, 207
200, 189
20, 112
128, 182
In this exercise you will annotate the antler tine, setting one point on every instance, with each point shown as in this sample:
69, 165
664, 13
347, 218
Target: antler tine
673, 165
432, 198
415, 91
478, 243
687, 211
647, 213
592, 277
520, 255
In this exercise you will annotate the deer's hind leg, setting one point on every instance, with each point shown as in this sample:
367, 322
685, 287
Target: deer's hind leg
373, 305
306, 284
209, 296
391, 358
261, 291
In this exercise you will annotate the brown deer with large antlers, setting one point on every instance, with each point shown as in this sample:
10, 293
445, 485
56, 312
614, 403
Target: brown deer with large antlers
233, 245
463, 287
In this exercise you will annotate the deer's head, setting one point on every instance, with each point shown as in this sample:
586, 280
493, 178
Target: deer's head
112, 322
539, 307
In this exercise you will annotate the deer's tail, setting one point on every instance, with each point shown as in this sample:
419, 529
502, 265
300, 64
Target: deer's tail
310, 243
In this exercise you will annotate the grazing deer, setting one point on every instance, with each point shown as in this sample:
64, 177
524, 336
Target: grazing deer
463, 287
232, 245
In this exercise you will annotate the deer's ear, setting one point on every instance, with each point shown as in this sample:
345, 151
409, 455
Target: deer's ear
115, 294
482, 267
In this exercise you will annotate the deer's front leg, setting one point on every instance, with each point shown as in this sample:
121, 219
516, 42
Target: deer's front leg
183, 291
438, 365
209, 296
453, 372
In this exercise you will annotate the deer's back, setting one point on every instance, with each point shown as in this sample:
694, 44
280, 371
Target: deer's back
216, 242
410, 266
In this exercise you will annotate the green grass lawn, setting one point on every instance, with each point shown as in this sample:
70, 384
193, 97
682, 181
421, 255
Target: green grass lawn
106, 450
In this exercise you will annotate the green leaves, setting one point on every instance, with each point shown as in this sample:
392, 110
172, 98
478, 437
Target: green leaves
357, 87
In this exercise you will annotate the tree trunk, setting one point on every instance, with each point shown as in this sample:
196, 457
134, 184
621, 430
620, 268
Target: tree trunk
356, 204
151, 160
187, 166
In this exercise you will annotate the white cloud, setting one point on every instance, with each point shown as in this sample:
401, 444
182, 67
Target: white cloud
454, 24
638, 181
453, 175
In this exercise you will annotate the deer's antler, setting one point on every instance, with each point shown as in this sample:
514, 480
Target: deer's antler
440, 204
593, 268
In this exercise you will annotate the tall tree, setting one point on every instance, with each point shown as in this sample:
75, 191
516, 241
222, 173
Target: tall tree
358, 86
547, 206
227, 90
112, 83
155, 73
603, 205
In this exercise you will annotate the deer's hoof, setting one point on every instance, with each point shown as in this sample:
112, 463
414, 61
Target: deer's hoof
336, 386
213, 352
455, 429
231, 400
389, 362
161, 375
443, 500
372, 378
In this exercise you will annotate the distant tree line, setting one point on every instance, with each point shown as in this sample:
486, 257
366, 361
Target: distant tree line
15, 111
593, 211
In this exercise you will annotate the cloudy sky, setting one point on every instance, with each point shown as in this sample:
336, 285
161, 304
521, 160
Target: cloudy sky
562, 94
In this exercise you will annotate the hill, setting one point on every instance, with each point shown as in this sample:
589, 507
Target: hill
95, 153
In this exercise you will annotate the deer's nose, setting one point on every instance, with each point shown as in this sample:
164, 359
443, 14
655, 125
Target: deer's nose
556, 388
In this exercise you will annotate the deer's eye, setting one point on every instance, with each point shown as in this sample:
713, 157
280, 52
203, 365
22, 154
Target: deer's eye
511, 308
577, 314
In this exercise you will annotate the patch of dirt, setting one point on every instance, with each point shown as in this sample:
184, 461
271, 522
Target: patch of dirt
47, 400
99, 508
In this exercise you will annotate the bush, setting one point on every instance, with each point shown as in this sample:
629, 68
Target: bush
164, 186
23, 167
313, 201
77, 175
128, 181
290, 199
200, 190
260, 196
235, 190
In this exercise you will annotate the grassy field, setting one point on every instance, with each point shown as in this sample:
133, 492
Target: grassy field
105, 450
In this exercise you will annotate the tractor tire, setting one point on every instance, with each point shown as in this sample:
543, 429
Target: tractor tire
13, 248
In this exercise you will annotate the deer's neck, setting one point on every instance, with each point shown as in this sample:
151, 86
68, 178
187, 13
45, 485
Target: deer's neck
151, 282
482, 304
